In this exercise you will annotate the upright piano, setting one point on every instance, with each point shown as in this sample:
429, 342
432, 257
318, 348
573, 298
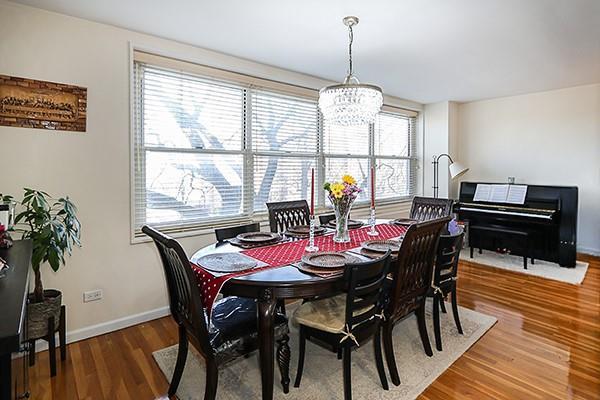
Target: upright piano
548, 215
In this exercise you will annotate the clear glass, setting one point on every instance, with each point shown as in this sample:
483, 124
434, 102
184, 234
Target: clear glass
350, 106
311, 248
342, 213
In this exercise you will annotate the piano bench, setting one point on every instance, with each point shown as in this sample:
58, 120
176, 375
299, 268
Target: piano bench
502, 231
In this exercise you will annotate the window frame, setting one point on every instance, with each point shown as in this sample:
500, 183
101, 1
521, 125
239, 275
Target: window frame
248, 214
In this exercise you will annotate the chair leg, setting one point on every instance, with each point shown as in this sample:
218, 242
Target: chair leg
283, 360
31, 353
455, 311
443, 306
471, 250
51, 346
340, 353
436, 322
388, 346
62, 333
525, 262
301, 350
423, 330
180, 364
347, 373
379, 359
212, 380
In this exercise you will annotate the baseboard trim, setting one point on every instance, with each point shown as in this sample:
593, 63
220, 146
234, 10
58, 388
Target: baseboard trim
108, 326
589, 251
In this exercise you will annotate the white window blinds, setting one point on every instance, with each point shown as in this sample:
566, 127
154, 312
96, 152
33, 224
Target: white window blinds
210, 150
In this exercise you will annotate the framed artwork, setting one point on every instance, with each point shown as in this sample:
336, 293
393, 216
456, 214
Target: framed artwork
29, 103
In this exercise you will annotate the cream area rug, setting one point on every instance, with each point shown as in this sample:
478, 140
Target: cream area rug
322, 378
543, 269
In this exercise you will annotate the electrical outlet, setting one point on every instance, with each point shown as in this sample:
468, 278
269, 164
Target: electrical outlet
92, 295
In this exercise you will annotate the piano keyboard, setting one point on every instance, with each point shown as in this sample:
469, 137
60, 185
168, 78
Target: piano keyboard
496, 211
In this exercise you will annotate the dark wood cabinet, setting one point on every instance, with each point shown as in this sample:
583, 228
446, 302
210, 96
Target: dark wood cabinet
14, 287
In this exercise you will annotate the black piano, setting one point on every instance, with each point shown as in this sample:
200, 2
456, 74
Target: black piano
548, 216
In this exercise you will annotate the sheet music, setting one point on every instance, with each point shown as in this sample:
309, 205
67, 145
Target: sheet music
499, 193
516, 194
482, 192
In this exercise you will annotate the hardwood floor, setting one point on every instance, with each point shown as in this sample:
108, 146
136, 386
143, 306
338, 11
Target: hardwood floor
546, 345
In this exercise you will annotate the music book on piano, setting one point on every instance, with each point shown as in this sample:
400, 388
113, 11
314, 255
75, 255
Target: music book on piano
500, 193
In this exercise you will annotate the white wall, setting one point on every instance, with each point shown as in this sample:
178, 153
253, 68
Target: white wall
93, 167
550, 138
440, 136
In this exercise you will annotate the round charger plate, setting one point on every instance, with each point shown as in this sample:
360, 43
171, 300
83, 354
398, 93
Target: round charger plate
328, 259
404, 221
226, 262
305, 229
323, 273
352, 224
257, 237
381, 246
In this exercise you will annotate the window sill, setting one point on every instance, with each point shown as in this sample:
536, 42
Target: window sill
386, 209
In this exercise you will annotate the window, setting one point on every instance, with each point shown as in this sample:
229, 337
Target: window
214, 146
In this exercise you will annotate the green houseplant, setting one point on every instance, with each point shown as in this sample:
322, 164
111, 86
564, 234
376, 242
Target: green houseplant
52, 226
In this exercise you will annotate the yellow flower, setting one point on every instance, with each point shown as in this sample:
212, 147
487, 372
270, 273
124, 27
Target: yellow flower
349, 179
337, 190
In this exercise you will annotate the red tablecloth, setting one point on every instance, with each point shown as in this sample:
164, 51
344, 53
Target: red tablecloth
285, 254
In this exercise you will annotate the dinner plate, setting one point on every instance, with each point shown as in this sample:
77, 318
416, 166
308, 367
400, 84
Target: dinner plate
323, 273
404, 221
381, 246
227, 262
352, 224
257, 237
328, 259
305, 230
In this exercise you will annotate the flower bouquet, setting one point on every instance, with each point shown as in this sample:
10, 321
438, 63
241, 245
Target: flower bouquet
342, 195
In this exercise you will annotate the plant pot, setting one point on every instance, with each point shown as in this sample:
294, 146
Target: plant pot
38, 313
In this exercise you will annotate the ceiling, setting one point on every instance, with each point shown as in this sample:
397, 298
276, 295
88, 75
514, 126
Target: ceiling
426, 51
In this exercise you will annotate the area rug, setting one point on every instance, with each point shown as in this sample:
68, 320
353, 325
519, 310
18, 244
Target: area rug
543, 269
322, 378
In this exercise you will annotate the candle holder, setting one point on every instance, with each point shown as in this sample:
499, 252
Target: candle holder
311, 248
373, 230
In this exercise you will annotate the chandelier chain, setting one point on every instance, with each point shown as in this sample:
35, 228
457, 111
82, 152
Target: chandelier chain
350, 40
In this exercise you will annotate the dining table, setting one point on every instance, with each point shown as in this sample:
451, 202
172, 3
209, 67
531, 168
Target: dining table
270, 287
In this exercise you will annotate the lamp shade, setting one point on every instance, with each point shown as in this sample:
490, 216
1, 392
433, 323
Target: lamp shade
456, 169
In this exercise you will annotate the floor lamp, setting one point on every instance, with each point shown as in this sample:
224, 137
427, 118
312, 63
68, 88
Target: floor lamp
456, 169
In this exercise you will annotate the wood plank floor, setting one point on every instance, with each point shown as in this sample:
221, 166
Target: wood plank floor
546, 345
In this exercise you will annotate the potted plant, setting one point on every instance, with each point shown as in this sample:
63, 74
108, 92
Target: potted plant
52, 226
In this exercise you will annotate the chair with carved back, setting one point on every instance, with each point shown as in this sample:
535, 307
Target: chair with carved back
223, 234
229, 333
412, 275
285, 214
444, 281
426, 208
344, 321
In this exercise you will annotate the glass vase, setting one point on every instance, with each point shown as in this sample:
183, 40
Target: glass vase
342, 213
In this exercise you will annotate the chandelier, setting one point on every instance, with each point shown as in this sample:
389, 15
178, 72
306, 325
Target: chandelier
351, 102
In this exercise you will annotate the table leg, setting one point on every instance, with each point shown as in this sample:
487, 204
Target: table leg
266, 335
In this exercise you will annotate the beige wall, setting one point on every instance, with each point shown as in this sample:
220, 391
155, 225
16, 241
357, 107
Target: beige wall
93, 167
548, 138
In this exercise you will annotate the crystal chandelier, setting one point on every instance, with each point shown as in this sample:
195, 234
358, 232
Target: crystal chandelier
350, 103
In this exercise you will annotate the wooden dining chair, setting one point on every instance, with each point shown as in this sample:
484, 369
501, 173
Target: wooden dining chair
223, 234
344, 321
326, 218
444, 281
285, 214
426, 208
232, 330
412, 275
